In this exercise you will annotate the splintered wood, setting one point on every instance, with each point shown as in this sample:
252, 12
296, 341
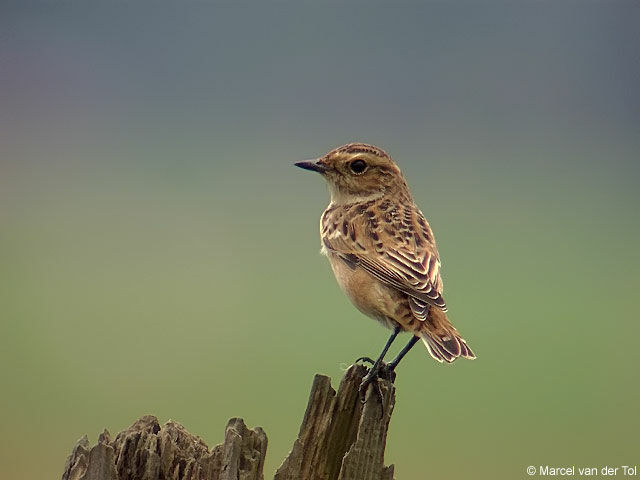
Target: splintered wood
146, 451
340, 439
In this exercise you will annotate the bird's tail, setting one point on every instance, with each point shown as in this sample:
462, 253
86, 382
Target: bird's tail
442, 339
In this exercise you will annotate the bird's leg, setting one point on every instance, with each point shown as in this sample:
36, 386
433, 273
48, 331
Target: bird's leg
391, 366
376, 365
372, 374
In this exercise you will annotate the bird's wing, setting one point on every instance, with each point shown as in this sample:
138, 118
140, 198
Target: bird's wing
395, 246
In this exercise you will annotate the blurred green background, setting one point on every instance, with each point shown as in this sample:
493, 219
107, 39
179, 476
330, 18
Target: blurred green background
159, 253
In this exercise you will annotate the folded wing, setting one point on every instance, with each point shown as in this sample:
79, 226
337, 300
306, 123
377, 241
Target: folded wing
395, 245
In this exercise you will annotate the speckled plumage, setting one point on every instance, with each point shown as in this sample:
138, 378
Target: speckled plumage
382, 249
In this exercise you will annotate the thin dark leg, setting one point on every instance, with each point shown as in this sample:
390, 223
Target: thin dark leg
394, 363
393, 336
391, 366
375, 368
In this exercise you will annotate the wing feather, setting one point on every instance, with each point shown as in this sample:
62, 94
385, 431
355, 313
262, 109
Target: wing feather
396, 247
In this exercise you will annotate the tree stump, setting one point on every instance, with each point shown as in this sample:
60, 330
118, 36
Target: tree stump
340, 439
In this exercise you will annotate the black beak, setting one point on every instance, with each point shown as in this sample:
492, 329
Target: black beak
311, 165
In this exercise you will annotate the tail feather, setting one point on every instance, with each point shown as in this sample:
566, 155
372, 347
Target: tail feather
442, 340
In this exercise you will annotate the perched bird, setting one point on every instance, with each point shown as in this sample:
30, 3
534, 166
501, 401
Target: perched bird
383, 253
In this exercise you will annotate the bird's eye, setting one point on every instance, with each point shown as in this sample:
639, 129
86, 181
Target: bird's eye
358, 166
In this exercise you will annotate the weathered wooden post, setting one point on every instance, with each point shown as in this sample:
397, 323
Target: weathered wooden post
340, 439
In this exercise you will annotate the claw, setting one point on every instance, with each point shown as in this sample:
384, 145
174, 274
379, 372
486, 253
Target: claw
371, 378
373, 381
366, 381
363, 391
365, 360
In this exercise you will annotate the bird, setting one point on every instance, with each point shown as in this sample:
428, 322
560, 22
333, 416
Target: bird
383, 253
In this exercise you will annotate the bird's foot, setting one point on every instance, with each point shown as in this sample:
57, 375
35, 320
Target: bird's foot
371, 378
384, 371
365, 360
388, 371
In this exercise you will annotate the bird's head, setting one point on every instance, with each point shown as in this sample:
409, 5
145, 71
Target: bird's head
358, 172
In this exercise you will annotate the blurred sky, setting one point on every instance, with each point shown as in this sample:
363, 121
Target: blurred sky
158, 252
